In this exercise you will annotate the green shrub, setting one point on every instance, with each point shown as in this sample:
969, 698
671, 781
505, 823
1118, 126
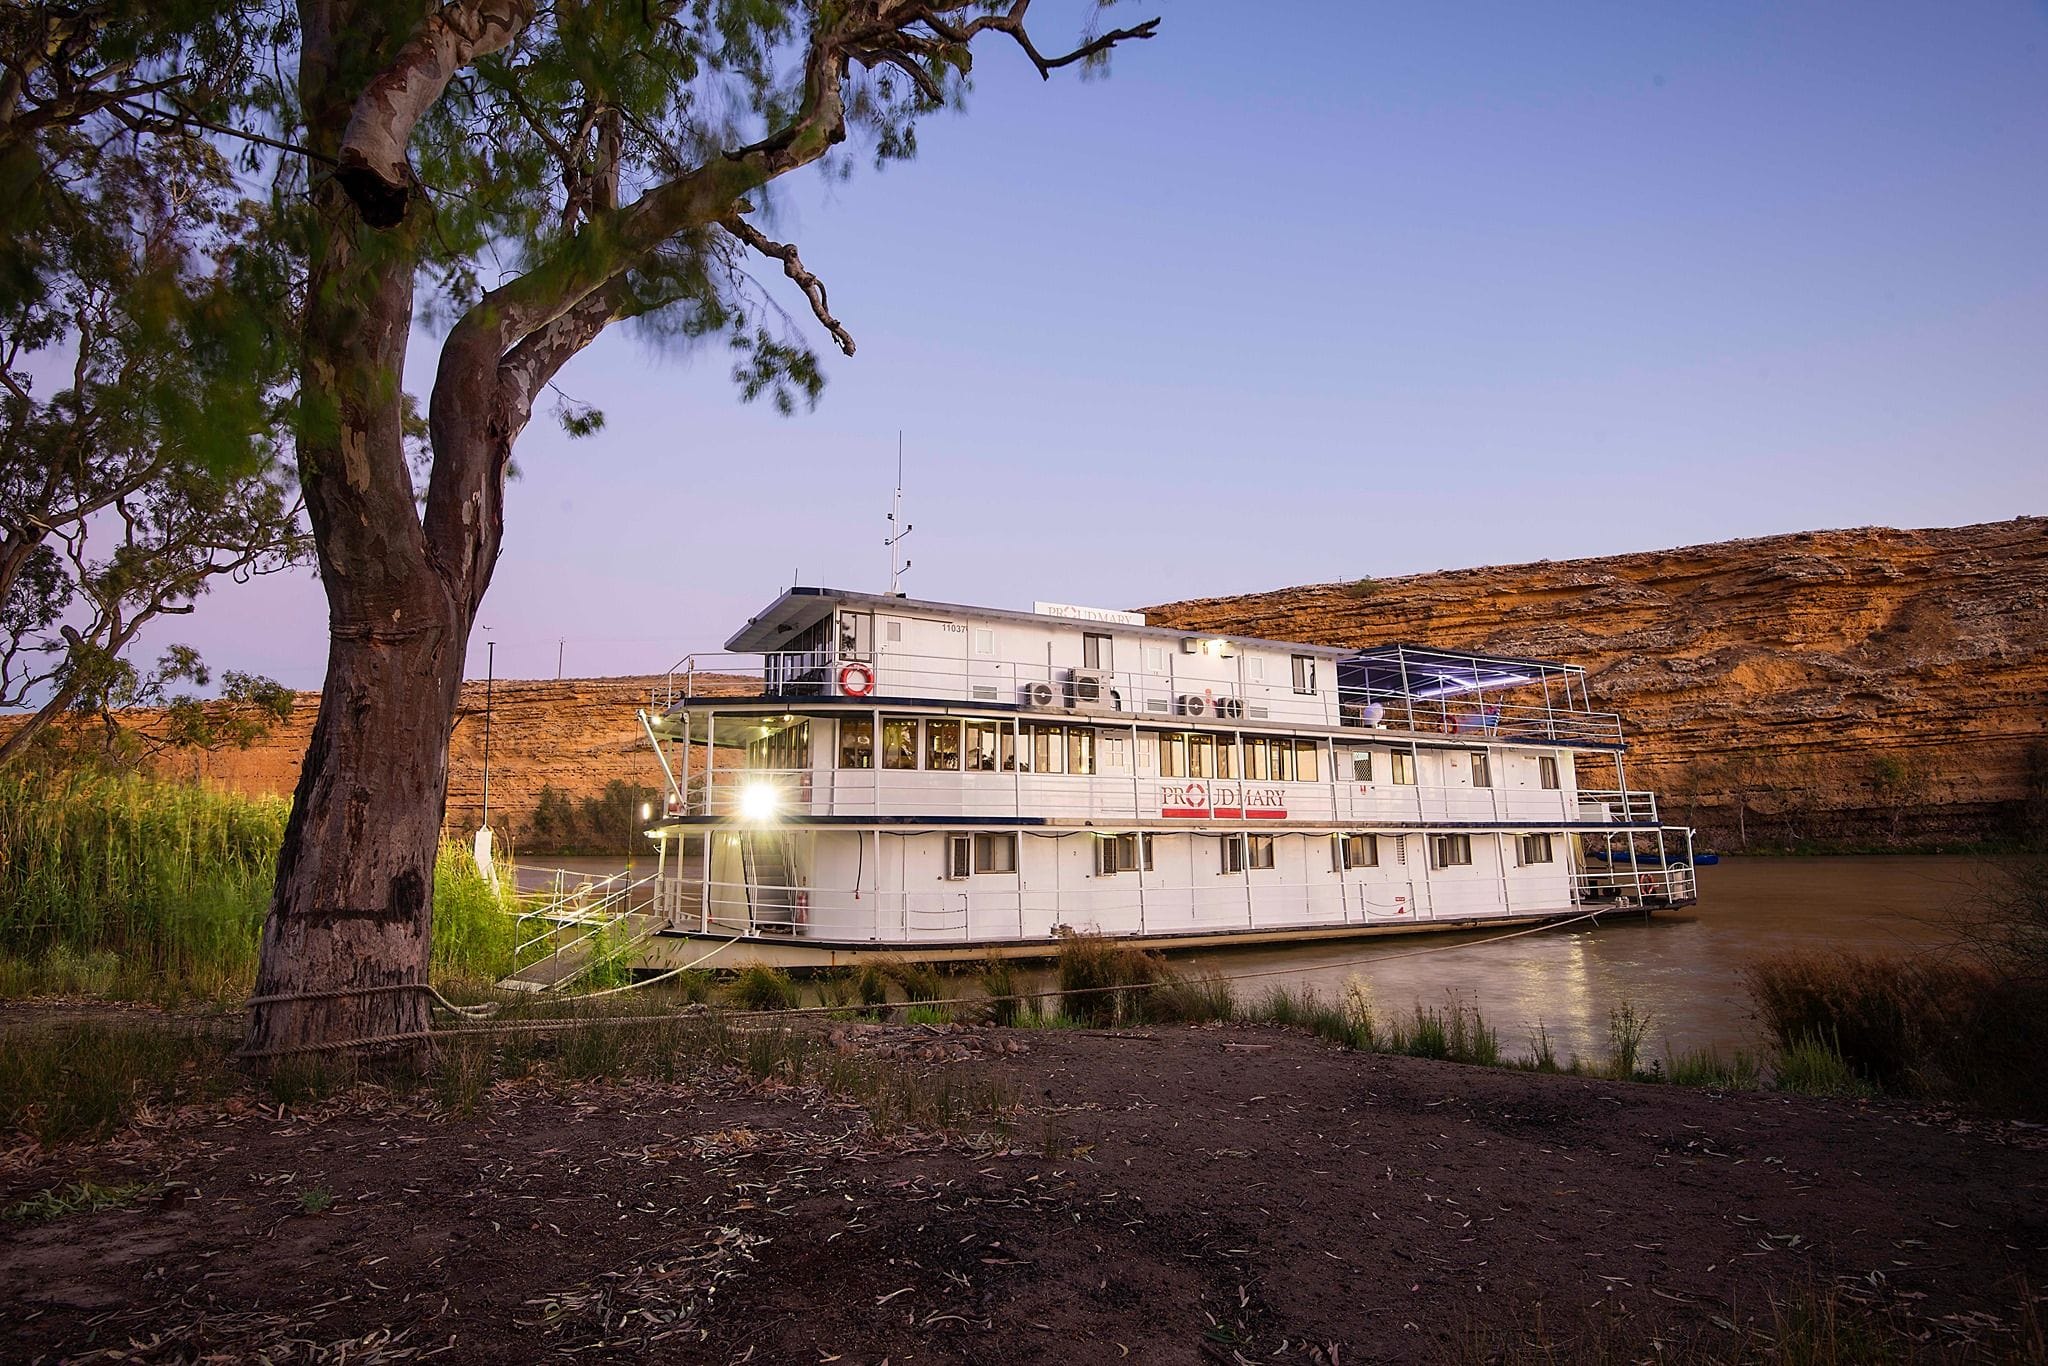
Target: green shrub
1092, 968
917, 981
999, 983
1181, 999
1708, 1069
871, 985
1626, 1030
1814, 1066
760, 987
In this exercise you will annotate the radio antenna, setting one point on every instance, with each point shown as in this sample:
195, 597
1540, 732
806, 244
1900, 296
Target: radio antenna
898, 528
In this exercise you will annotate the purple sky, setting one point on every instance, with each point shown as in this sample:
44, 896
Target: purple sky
1388, 288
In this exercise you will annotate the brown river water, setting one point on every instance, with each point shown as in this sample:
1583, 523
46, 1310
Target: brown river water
1683, 969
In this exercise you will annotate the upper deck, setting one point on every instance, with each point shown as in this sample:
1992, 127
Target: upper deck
827, 643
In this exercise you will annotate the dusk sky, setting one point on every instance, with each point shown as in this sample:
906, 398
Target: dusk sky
1322, 291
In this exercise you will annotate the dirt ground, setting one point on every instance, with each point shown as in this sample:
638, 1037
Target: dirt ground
1167, 1195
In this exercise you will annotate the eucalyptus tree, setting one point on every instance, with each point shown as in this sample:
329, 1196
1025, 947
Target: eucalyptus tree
531, 174
144, 345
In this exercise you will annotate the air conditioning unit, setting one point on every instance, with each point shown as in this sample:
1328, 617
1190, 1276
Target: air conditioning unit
1038, 694
1192, 704
1230, 708
1087, 688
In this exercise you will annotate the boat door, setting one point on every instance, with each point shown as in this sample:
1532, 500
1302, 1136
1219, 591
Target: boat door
856, 635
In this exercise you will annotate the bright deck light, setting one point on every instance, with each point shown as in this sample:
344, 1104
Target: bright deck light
758, 801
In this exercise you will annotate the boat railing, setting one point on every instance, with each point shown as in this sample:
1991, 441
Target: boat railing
765, 794
1617, 805
1129, 905
570, 901
888, 674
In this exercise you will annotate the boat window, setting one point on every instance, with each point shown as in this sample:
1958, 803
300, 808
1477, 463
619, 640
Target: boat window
942, 745
1008, 749
1202, 756
1546, 772
1361, 766
981, 746
1304, 673
1482, 769
1307, 768
1401, 768
959, 855
1358, 851
899, 742
1048, 749
1233, 853
788, 748
1226, 756
1259, 851
857, 742
892, 631
1280, 760
1450, 851
1255, 758
995, 853
984, 641
1095, 651
1121, 854
1536, 849
1173, 756
1255, 668
1080, 750
1155, 659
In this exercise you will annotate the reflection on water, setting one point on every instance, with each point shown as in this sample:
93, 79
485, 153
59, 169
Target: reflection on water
1683, 968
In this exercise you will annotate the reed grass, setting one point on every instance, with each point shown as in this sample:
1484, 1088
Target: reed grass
760, 987
131, 887
1092, 971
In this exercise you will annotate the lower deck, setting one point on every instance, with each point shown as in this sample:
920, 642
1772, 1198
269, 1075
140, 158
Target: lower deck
932, 892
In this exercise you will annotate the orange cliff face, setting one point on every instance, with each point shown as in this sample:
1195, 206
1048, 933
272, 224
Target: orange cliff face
1868, 687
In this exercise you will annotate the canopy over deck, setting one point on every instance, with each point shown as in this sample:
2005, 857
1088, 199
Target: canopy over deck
1424, 672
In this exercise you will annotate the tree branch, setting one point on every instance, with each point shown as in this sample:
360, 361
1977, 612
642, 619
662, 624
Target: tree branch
794, 268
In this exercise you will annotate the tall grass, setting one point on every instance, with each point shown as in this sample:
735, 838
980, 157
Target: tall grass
136, 887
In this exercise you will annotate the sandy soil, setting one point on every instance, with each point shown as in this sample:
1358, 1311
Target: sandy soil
1169, 1195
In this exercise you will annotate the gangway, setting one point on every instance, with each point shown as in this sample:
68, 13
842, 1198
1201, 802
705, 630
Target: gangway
571, 920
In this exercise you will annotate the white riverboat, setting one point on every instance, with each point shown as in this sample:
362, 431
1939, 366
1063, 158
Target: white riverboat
861, 773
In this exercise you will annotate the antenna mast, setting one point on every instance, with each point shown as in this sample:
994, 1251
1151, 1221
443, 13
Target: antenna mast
898, 528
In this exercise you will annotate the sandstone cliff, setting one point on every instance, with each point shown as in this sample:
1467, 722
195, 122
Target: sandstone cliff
1869, 686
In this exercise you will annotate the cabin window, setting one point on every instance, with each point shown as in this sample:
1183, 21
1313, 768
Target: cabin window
1255, 669
1233, 853
1201, 756
1304, 673
1173, 756
1482, 769
1361, 766
995, 853
1122, 854
984, 641
1450, 851
1536, 849
782, 750
892, 631
1080, 750
1006, 745
1049, 749
1401, 768
1546, 772
1306, 765
1155, 659
899, 742
982, 745
857, 743
1095, 651
1112, 754
1258, 851
959, 857
1226, 756
1255, 768
1358, 851
942, 746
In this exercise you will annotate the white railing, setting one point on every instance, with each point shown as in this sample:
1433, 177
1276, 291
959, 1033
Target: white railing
1019, 794
815, 673
1127, 905
576, 901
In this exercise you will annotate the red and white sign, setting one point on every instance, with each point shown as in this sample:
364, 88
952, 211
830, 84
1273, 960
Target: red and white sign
1199, 799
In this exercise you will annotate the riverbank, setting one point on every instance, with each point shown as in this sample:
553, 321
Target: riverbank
1177, 1193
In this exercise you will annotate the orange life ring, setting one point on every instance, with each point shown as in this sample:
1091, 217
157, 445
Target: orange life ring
856, 680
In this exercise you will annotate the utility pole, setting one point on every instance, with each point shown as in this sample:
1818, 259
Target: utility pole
490, 677
558, 659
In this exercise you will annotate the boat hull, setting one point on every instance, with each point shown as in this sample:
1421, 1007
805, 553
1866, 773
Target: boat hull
677, 949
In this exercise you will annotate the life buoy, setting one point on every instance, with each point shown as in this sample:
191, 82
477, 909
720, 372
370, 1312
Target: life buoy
856, 680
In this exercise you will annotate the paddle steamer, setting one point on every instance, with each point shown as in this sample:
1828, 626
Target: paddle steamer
863, 773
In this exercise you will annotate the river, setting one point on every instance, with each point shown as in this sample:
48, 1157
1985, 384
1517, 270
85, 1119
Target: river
1682, 969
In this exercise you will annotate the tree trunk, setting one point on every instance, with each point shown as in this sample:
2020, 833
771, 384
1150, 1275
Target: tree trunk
349, 931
